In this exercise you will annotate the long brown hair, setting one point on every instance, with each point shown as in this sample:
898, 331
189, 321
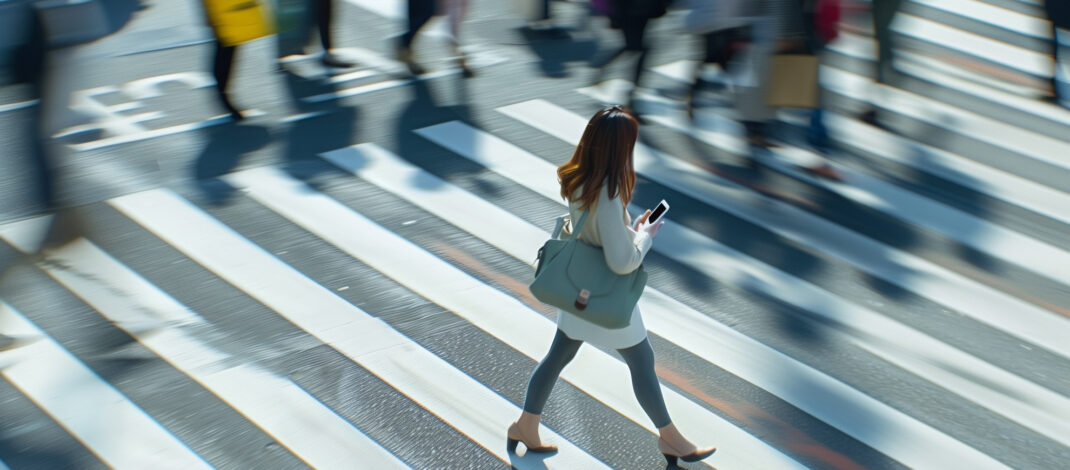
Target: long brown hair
604, 155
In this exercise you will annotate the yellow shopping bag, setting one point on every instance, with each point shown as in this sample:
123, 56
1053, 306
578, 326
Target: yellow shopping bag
239, 21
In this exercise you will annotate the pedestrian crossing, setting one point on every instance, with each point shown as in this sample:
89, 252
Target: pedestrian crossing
363, 338
363, 267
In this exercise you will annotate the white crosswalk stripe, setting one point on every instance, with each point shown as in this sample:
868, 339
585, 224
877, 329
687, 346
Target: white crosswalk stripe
115, 429
970, 230
668, 318
467, 405
680, 243
592, 371
1042, 328
296, 419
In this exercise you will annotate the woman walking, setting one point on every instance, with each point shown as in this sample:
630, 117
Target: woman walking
599, 180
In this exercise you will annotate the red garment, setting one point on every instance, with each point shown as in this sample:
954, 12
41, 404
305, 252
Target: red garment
826, 19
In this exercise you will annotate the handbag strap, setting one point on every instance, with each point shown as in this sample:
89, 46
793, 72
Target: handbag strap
578, 226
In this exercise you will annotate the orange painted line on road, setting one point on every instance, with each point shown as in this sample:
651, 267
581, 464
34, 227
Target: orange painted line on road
516, 288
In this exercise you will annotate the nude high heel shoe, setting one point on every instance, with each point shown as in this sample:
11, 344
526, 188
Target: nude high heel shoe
671, 454
514, 437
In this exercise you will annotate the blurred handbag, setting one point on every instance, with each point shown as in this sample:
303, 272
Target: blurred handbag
573, 276
792, 81
294, 24
239, 21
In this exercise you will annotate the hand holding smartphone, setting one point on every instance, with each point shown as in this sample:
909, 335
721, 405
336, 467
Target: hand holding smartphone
658, 212
654, 220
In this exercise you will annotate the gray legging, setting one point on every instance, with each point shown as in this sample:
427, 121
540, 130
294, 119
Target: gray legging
640, 360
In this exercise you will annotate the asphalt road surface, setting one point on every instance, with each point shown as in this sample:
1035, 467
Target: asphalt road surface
340, 280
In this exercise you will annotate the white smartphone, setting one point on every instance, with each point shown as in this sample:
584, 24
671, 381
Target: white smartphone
658, 212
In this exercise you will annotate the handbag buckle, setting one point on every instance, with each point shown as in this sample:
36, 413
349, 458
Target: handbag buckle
581, 299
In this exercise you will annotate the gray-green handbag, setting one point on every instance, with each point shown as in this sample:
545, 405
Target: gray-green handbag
573, 276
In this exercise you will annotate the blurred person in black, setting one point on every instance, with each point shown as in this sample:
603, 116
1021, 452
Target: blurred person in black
1059, 14
31, 68
223, 56
631, 17
420, 12
222, 63
323, 24
883, 13
720, 26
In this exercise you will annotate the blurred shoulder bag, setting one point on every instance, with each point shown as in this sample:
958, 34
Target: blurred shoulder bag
573, 276
792, 81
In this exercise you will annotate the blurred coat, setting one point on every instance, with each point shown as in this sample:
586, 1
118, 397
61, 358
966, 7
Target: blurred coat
640, 8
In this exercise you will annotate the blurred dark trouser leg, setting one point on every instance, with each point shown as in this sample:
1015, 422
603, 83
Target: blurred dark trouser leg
817, 135
544, 11
222, 62
634, 28
883, 14
714, 52
323, 21
420, 12
1055, 46
31, 60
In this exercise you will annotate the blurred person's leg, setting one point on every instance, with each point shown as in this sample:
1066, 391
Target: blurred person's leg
883, 13
456, 10
634, 28
33, 62
749, 82
323, 23
222, 62
420, 12
715, 51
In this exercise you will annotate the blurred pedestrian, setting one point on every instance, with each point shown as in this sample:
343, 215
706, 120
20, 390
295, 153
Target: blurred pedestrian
720, 24
883, 13
820, 22
323, 24
420, 12
1059, 14
776, 26
234, 22
597, 183
31, 67
631, 17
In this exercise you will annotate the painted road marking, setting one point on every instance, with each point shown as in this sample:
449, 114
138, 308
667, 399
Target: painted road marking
460, 401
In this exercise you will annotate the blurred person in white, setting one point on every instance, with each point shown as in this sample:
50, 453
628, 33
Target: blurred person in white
599, 180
